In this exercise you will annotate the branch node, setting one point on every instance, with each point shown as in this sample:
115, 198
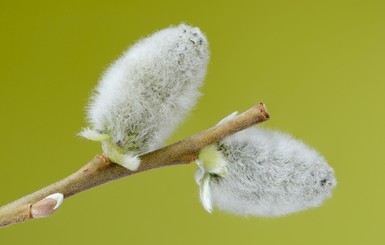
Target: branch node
104, 159
29, 211
46, 206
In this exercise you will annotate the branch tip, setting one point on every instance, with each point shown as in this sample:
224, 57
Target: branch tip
262, 108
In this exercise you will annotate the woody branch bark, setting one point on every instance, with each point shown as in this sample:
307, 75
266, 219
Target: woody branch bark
100, 170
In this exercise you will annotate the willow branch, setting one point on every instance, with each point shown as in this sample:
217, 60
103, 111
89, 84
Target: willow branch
100, 170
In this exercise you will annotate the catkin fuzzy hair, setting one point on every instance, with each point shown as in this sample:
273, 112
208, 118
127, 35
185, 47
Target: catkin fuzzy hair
147, 92
266, 174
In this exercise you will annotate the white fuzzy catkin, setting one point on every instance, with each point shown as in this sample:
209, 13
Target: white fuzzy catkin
268, 174
147, 92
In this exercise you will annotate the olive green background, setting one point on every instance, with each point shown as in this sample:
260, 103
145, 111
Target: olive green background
318, 65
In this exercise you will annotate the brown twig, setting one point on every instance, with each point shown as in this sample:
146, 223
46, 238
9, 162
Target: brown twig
100, 170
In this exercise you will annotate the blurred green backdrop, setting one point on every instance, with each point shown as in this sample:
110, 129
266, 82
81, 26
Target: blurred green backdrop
318, 65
